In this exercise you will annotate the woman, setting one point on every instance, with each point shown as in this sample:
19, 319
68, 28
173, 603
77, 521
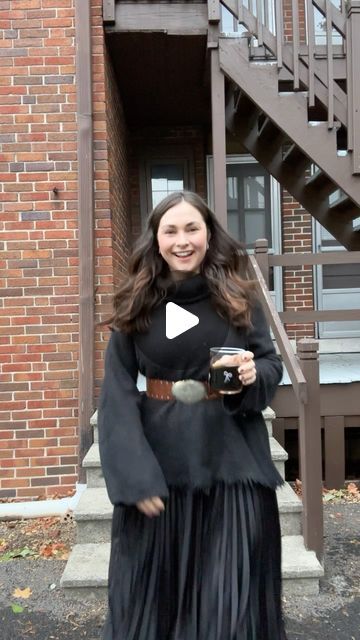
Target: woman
195, 552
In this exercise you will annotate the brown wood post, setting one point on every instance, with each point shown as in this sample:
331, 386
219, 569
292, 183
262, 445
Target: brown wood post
218, 137
214, 11
262, 257
353, 55
334, 451
109, 11
86, 228
310, 448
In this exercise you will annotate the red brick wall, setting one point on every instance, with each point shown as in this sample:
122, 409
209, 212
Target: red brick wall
287, 20
296, 222
38, 239
118, 172
112, 225
297, 282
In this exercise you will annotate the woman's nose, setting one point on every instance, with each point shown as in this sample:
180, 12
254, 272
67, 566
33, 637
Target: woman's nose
182, 240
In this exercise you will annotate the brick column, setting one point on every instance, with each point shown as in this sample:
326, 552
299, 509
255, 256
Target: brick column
38, 239
297, 282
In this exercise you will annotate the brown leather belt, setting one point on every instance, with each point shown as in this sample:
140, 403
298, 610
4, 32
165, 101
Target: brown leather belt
161, 390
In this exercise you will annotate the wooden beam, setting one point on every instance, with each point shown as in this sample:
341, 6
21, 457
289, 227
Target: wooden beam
334, 451
298, 259
86, 227
353, 8
310, 449
108, 11
308, 315
172, 18
218, 137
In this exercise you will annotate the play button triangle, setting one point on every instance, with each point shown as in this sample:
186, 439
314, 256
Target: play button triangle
178, 320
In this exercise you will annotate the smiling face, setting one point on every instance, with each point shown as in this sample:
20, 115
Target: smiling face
182, 237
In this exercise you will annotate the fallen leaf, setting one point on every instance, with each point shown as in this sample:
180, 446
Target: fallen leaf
54, 549
17, 608
352, 488
17, 553
22, 593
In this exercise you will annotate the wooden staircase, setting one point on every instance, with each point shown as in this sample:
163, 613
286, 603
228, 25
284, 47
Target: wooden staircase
294, 118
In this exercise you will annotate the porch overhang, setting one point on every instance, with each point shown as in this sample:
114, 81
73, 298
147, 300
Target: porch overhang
180, 18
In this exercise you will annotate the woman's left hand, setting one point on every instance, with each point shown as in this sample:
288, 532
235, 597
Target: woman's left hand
247, 368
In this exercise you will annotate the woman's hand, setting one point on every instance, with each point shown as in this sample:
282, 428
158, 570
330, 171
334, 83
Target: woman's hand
246, 366
151, 506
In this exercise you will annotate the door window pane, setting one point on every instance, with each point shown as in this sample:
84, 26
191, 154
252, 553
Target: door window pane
254, 192
165, 179
255, 226
249, 203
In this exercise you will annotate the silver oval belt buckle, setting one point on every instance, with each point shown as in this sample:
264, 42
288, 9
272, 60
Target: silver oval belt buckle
189, 391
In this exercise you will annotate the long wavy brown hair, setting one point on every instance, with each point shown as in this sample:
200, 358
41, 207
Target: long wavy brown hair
144, 286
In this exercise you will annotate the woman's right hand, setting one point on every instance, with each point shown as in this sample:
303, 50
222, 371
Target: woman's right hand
151, 506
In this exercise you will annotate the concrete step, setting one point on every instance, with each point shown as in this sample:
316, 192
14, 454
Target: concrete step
278, 455
94, 512
91, 462
93, 516
300, 568
290, 508
86, 572
95, 478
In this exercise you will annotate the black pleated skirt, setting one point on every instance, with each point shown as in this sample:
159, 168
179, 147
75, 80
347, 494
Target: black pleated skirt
208, 568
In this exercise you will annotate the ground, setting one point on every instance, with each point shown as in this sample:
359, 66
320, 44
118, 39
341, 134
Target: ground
32, 605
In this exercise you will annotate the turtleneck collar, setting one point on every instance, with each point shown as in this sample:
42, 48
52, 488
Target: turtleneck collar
189, 289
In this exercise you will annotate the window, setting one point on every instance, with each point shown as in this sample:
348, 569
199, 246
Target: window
253, 207
165, 179
164, 170
248, 203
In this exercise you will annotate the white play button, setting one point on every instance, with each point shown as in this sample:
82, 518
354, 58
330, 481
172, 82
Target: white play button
178, 320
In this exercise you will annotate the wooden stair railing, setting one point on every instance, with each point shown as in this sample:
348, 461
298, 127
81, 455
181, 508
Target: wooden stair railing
299, 53
304, 378
303, 371
275, 127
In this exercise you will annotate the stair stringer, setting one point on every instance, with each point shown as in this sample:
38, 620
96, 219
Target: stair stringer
289, 113
320, 79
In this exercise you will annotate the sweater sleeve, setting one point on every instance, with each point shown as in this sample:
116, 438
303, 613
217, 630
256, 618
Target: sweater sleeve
257, 396
130, 468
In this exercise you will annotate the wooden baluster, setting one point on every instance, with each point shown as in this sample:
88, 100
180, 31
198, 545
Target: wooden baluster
311, 50
330, 64
262, 257
266, 14
296, 39
218, 137
240, 10
259, 23
353, 63
279, 25
310, 448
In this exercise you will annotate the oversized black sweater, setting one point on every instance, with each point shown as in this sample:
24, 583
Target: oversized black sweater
147, 445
